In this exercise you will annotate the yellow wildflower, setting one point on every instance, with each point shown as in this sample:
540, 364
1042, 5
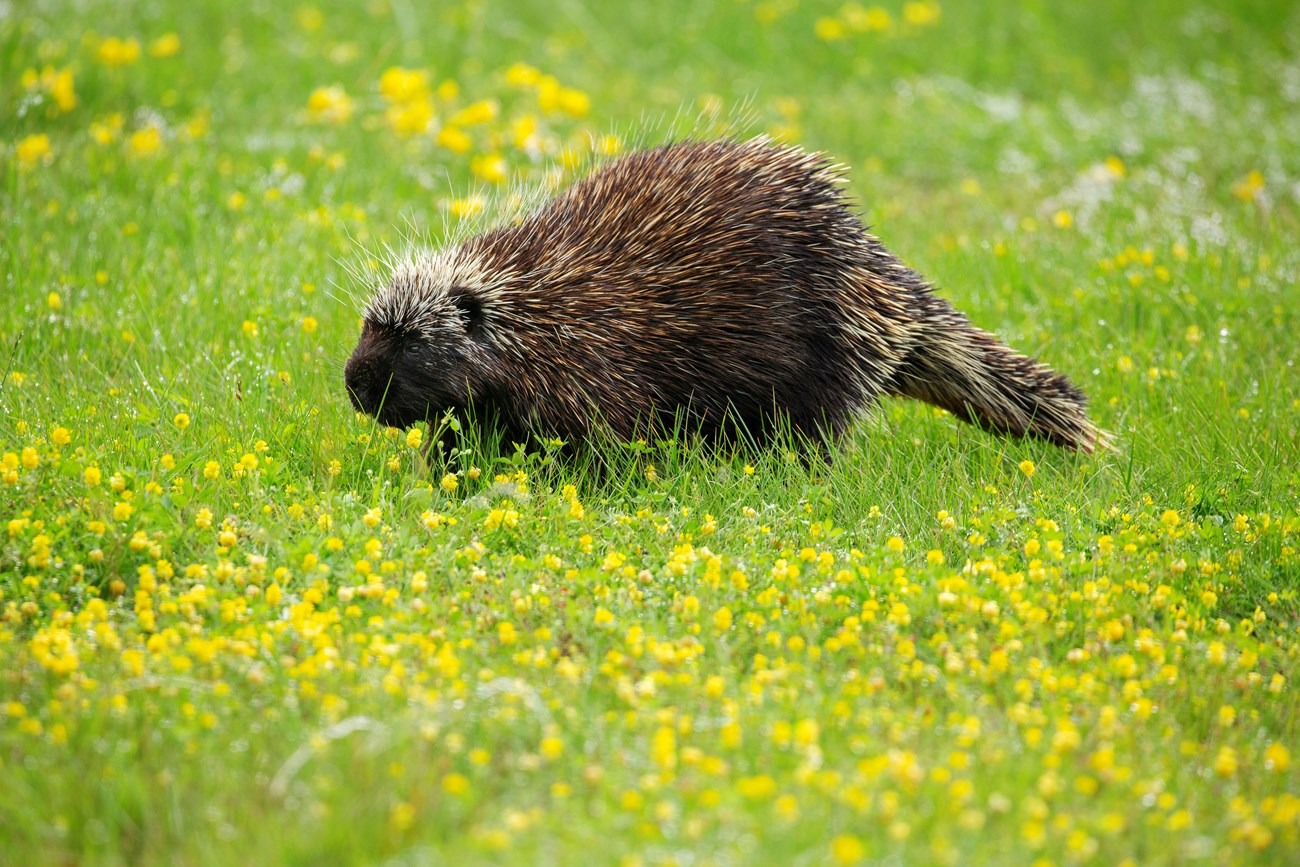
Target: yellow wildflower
115, 51
1249, 187
330, 105
145, 142
847, 849
167, 45
482, 111
454, 140
397, 84
34, 149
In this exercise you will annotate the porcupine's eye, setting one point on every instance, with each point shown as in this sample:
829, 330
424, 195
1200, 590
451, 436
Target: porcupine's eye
470, 308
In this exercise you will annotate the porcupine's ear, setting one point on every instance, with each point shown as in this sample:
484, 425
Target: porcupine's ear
470, 307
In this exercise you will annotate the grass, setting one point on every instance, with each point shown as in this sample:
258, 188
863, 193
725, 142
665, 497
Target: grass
240, 624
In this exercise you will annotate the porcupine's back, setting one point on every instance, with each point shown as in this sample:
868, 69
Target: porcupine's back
704, 283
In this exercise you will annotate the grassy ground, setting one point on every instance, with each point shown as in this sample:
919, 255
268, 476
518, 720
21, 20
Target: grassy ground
239, 624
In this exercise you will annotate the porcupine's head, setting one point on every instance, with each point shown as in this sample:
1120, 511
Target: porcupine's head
425, 344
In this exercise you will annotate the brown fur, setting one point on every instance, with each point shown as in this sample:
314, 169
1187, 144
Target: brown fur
722, 285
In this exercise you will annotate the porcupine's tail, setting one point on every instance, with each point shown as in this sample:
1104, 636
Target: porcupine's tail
979, 379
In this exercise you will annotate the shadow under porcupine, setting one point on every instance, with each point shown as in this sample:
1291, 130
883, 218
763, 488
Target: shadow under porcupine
721, 286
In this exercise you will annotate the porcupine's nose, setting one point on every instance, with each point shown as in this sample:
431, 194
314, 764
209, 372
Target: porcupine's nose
359, 377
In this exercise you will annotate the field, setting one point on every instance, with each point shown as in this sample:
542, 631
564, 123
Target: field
241, 624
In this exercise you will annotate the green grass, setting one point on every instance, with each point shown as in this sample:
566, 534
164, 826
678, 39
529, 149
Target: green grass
268, 633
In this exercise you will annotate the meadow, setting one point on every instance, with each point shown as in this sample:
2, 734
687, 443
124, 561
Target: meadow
241, 624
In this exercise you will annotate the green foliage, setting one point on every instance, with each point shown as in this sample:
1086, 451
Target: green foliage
239, 623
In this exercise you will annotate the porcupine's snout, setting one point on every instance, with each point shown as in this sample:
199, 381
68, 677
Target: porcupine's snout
397, 377
364, 384
374, 382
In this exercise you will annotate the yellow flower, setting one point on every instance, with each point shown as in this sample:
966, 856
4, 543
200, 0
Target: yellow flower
34, 149
483, 111
309, 18
523, 131
92, 475
61, 436
250, 328
122, 511
722, 619
1027, 467
404, 85
874, 20
455, 784
1277, 758
757, 788
1062, 220
574, 103
167, 45
409, 118
490, 167
309, 324
454, 140
401, 817
414, 437
522, 75
1248, 187
114, 51
847, 849
449, 483
551, 748
330, 104
609, 145
1216, 653
181, 420
236, 200
211, 470
919, 14
58, 83
1225, 763
466, 207
830, 29
145, 142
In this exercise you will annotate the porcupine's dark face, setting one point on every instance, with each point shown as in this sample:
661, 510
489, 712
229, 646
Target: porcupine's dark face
415, 358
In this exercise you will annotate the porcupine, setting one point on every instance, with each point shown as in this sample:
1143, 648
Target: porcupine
722, 286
